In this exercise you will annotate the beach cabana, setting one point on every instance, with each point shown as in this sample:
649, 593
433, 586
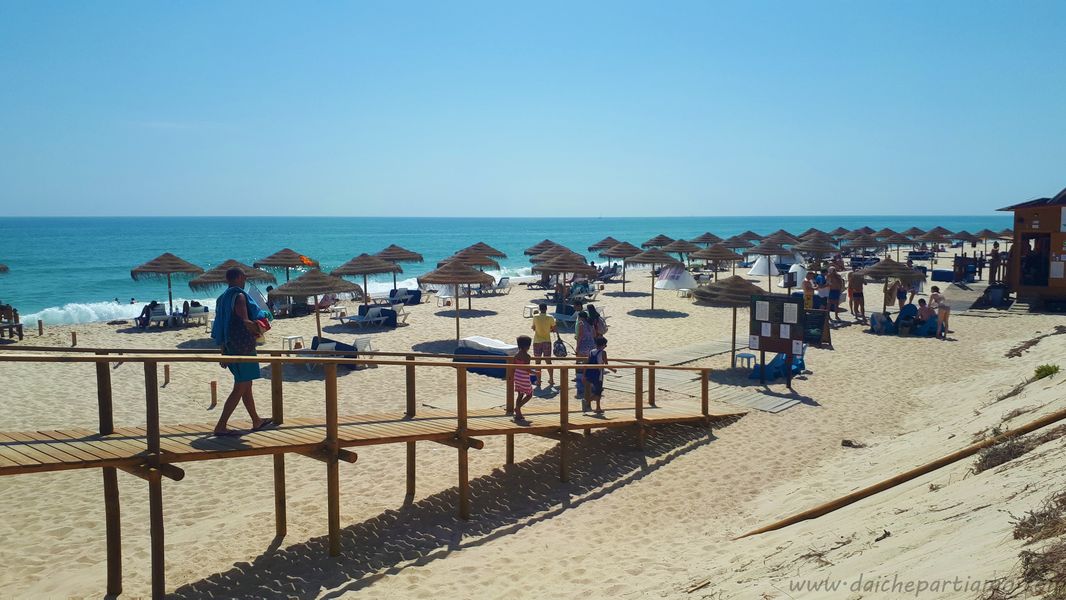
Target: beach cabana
657, 242
718, 253
890, 269
769, 248
485, 250
731, 292
604, 244
397, 254
314, 283
457, 273
539, 247
654, 257
706, 239
624, 251
217, 276
681, 247
165, 265
286, 259
366, 265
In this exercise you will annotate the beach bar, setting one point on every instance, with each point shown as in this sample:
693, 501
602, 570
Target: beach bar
1036, 264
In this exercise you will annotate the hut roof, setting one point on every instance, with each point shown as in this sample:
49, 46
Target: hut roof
217, 276
653, 256
314, 283
397, 254
163, 265
733, 291
657, 241
603, 244
485, 250
717, 252
707, 239
286, 258
455, 272
365, 264
622, 250
1058, 200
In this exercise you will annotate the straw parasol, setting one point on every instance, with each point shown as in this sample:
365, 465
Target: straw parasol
897, 240
539, 247
217, 276
883, 233
471, 258
913, 232
706, 239
366, 265
750, 235
867, 230
838, 232
890, 269
314, 283
399, 255
286, 259
566, 263
782, 237
862, 241
940, 230
812, 232
457, 273
985, 235
653, 256
165, 265
681, 247
718, 253
623, 251
731, 292
1007, 233
551, 253
657, 242
769, 248
965, 236
604, 244
485, 250
816, 246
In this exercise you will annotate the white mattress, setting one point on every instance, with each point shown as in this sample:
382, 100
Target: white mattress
478, 342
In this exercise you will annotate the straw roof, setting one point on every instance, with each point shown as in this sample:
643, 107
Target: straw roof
681, 246
863, 240
657, 241
812, 232
1007, 233
769, 248
470, 258
867, 230
913, 232
286, 258
707, 238
737, 242
750, 235
816, 245
851, 235
314, 283
163, 265
783, 237
604, 244
551, 253
890, 269
965, 236
455, 272
485, 250
566, 263
539, 247
987, 234
217, 276
932, 236
886, 232
717, 252
819, 235
653, 256
839, 231
397, 254
622, 250
897, 239
365, 264
728, 291
941, 231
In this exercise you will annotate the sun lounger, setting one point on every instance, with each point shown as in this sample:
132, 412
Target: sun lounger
502, 287
158, 315
197, 314
373, 316
327, 345
482, 349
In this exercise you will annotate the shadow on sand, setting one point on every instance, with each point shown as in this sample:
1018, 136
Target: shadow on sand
647, 313
626, 294
418, 534
465, 313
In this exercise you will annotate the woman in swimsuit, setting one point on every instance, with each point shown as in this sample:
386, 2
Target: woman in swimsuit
901, 293
943, 311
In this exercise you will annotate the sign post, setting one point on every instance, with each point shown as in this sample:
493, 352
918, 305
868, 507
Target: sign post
776, 325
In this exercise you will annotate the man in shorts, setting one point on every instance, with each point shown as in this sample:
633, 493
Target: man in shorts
543, 326
836, 288
856, 301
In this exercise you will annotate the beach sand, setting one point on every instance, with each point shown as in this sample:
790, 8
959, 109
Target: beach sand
630, 523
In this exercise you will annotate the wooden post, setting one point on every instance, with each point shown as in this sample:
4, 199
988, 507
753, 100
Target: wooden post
155, 509
651, 385
166, 375
214, 394
733, 342
73, 338
510, 409
410, 497
332, 472
564, 424
113, 525
411, 446
277, 394
639, 412
277, 414
40, 327
410, 384
705, 395
762, 365
103, 396
464, 473
151, 396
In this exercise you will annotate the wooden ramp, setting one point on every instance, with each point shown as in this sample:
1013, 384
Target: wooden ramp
750, 396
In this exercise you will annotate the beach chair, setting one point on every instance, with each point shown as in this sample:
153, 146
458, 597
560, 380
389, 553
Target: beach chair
399, 296
374, 315
776, 367
926, 329
158, 315
327, 345
197, 314
565, 317
445, 296
503, 286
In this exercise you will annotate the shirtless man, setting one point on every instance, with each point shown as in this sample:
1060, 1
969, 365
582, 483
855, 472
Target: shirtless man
836, 288
856, 301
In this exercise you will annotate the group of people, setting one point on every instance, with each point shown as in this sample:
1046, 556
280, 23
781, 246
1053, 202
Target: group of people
590, 345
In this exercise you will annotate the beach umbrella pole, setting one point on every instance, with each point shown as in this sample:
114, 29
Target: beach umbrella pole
318, 319
170, 294
653, 287
366, 290
623, 275
733, 350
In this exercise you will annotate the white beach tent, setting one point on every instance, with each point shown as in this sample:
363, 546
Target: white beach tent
763, 267
799, 270
675, 278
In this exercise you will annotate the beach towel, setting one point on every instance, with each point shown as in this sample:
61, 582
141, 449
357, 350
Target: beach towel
220, 331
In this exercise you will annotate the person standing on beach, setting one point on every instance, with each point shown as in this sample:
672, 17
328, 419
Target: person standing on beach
585, 335
598, 356
994, 260
543, 326
856, 299
836, 289
235, 330
523, 387
943, 311
808, 291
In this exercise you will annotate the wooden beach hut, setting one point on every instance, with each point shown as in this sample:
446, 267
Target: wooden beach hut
1036, 263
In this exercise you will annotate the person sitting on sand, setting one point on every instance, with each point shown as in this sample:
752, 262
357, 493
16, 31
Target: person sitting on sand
235, 329
523, 386
594, 377
856, 300
925, 312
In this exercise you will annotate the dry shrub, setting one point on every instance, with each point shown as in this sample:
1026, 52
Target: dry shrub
1044, 571
1008, 450
1046, 522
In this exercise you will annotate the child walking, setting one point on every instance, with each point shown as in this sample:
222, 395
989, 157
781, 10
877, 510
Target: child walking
598, 356
523, 387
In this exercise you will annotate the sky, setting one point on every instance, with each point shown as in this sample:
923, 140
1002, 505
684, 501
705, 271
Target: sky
529, 108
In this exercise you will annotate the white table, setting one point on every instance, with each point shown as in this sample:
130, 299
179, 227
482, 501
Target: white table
289, 342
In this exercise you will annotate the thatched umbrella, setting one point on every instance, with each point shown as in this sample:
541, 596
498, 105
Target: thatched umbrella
838, 232
890, 269
942, 231
718, 253
165, 265
987, 234
898, 240
566, 263
782, 237
1007, 233
457, 273
883, 233
769, 248
863, 241
750, 235
965, 237
657, 242
867, 230
738, 243
366, 265
398, 255
604, 244
816, 246
217, 276
706, 239
472, 259
653, 257
485, 250
681, 247
935, 238
623, 251
286, 259
314, 283
913, 232
551, 253
731, 292
539, 247
812, 232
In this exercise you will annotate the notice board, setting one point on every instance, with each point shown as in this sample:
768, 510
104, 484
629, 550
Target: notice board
777, 324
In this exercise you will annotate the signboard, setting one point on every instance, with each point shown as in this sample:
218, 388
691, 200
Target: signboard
816, 327
776, 324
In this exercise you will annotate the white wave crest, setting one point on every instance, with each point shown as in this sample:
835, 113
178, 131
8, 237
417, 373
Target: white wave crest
91, 312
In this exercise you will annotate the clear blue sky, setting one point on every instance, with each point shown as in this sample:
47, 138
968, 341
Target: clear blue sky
511, 109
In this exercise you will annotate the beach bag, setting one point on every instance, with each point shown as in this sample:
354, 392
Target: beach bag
601, 327
559, 347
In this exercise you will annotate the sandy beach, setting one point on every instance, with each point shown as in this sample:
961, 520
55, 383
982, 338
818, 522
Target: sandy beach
629, 524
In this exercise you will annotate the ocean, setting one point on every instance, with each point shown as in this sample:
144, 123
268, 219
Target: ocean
71, 270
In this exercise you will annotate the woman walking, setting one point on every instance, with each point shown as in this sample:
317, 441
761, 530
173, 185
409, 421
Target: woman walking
585, 333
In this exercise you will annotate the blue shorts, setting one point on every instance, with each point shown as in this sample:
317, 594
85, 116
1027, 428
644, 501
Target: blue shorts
834, 295
244, 371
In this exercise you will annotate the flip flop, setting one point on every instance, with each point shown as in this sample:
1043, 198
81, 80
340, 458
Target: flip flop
264, 424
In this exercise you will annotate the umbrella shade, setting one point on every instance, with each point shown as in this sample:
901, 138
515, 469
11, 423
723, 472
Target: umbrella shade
769, 248
456, 273
883, 233
782, 237
913, 232
815, 245
657, 241
932, 236
470, 258
897, 238
706, 239
366, 265
485, 250
818, 235
941, 231
217, 276
717, 252
539, 247
315, 283
286, 258
604, 244
737, 242
839, 231
397, 254
681, 247
866, 230
890, 269
1007, 233
551, 253
863, 241
965, 236
569, 263
165, 265
654, 256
